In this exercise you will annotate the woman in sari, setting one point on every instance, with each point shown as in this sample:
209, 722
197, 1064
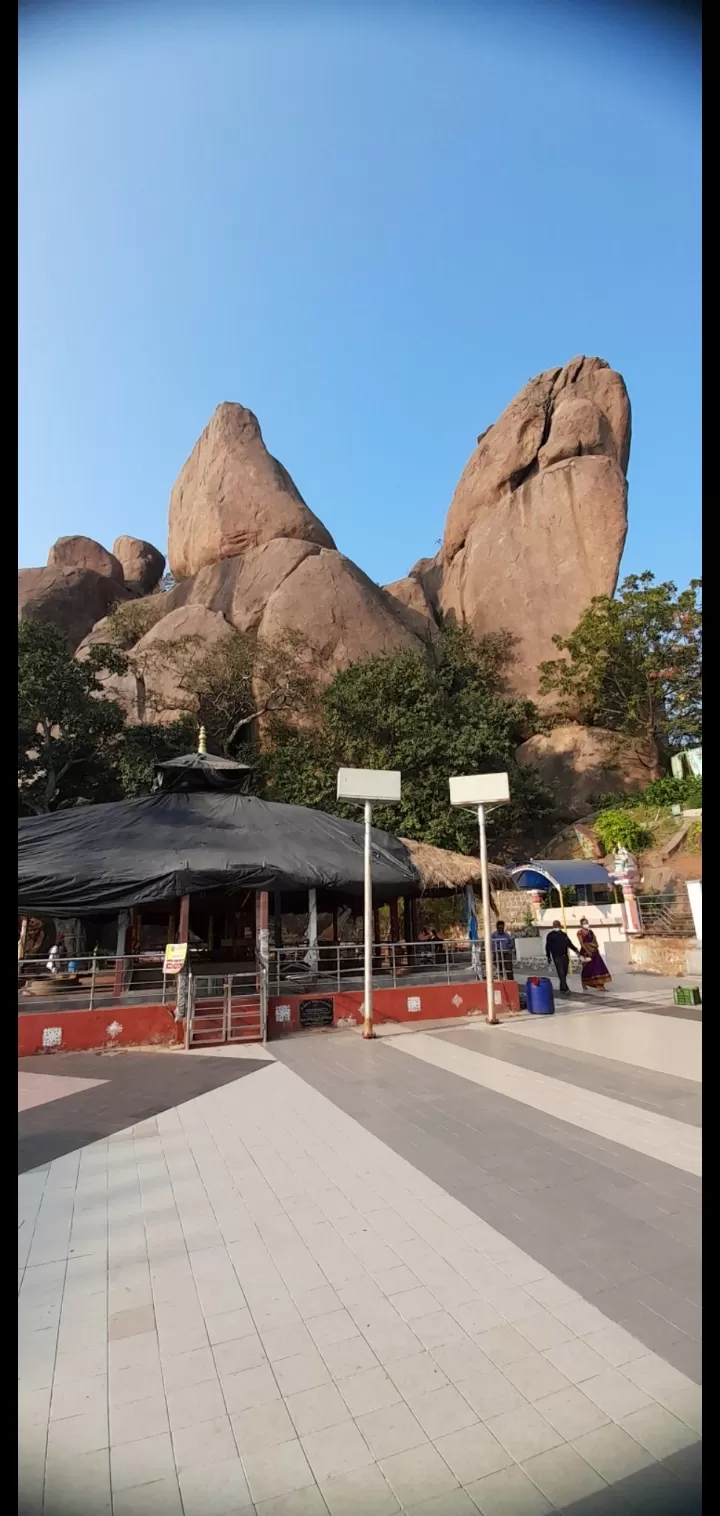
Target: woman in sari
595, 973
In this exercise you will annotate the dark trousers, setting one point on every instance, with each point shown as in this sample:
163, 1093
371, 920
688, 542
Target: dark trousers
561, 969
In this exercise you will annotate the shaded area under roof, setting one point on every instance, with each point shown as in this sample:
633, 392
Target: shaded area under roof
560, 872
100, 858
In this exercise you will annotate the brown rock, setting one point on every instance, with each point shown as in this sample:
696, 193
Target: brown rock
413, 606
84, 553
538, 521
240, 587
73, 600
232, 495
579, 761
152, 690
342, 615
142, 564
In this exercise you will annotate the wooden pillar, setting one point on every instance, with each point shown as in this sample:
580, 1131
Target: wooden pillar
376, 926
335, 923
413, 920
394, 921
407, 919
184, 922
171, 929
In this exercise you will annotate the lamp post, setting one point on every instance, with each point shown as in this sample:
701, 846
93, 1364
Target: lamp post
367, 787
480, 792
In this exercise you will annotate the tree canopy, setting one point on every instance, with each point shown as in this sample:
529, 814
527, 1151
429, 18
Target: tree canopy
430, 717
634, 664
73, 741
66, 731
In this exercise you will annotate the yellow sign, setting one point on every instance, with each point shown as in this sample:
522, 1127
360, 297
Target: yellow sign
175, 957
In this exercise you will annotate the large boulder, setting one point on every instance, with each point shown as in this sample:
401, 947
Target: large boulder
413, 605
240, 587
338, 611
538, 521
152, 690
232, 495
142, 564
579, 761
73, 600
85, 553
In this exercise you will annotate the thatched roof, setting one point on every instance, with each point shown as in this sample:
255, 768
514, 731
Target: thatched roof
440, 869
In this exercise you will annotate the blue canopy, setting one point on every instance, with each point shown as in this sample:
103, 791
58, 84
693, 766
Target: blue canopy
560, 873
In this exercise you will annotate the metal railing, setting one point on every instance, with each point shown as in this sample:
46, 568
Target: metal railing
339, 966
667, 914
102, 980
84, 983
224, 1008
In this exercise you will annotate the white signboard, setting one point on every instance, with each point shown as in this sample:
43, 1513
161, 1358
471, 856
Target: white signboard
413, 1002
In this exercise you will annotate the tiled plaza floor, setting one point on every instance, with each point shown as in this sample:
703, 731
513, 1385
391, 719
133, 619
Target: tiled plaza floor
361, 1279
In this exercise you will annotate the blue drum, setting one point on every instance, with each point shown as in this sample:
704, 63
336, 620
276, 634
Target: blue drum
540, 998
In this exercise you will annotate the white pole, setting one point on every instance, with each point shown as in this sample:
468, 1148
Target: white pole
368, 929
313, 955
487, 927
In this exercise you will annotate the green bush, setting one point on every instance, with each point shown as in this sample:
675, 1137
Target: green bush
129, 620
665, 791
618, 828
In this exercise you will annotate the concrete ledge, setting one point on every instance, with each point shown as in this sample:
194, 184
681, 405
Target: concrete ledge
423, 1002
676, 956
64, 1031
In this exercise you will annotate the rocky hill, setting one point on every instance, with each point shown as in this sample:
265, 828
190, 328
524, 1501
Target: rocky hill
535, 528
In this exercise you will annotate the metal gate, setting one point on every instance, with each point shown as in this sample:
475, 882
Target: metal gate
225, 1008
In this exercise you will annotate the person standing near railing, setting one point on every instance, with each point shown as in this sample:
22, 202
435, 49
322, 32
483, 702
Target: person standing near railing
503, 949
55, 957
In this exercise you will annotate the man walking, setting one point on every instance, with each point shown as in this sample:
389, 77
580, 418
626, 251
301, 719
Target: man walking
558, 948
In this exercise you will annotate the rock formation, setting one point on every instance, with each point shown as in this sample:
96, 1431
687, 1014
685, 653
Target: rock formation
537, 523
142, 565
579, 761
83, 581
535, 528
232, 495
72, 599
84, 553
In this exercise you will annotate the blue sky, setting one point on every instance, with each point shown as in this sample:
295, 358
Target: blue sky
370, 225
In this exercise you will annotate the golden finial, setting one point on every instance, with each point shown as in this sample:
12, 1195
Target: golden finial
202, 742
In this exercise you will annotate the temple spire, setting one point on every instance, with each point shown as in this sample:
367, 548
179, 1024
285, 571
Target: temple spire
202, 742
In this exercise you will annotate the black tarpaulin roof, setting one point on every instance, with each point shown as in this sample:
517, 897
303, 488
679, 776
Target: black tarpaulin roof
202, 771
99, 858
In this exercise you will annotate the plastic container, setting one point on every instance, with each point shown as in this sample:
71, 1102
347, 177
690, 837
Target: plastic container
687, 994
540, 998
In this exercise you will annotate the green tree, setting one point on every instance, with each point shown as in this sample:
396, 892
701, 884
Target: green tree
429, 715
67, 733
232, 687
619, 828
634, 664
140, 750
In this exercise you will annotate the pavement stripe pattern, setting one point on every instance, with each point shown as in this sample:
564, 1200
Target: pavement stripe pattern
648, 1132
249, 1303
